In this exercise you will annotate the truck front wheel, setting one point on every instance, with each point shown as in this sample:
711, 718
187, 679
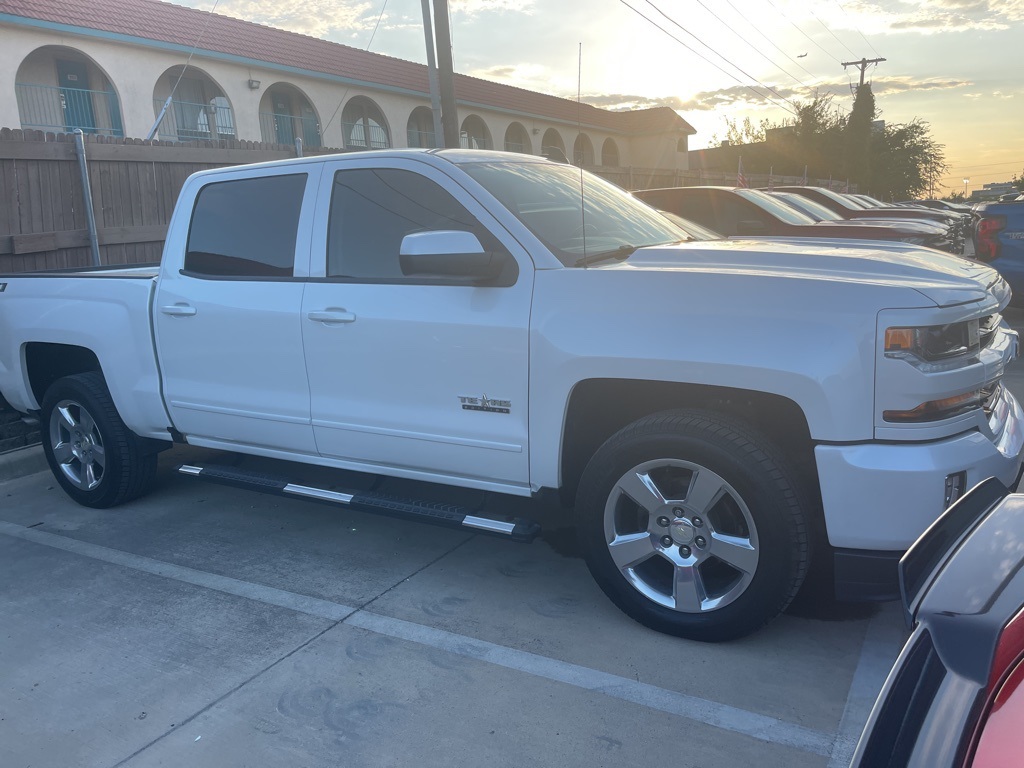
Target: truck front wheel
694, 525
96, 459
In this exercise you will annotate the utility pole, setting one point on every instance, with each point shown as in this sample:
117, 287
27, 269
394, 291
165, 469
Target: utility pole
861, 65
446, 74
435, 85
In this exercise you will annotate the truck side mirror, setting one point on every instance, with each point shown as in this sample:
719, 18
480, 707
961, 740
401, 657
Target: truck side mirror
452, 255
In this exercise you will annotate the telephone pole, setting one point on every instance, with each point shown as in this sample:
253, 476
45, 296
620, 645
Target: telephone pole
446, 75
861, 65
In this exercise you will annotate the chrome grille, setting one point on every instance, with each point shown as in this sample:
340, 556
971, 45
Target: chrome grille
987, 328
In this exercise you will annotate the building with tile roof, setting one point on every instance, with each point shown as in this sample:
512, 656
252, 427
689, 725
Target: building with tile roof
118, 67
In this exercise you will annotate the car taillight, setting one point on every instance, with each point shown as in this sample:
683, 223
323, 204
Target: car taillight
999, 739
988, 237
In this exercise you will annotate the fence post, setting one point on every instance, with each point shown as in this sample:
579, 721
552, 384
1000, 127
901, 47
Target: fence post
298, 146
90, 215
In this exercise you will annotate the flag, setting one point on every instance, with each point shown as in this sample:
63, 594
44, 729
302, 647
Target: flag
803, 182
741, 180
771, 180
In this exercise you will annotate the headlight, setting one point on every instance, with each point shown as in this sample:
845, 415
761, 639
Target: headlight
933, 347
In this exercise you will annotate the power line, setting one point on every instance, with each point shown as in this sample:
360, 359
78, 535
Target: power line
751, 45
768, 39
990, 165
723, 58
857, 29
341, 101
826, 28
782, 13
705, 58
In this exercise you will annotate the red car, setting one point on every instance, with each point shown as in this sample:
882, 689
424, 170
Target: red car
955, 697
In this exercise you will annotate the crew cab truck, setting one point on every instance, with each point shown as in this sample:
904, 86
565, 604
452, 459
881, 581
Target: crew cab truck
716, 415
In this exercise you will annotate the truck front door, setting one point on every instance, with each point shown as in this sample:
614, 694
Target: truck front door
425, 377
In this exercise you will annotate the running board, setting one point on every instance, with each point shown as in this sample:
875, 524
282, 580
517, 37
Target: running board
432, 512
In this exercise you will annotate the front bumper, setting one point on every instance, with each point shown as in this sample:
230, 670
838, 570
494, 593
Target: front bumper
882, 496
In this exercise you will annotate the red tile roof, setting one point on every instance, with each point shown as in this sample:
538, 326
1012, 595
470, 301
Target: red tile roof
175, 24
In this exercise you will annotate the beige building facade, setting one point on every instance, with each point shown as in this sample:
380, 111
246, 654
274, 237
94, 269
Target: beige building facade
58, 75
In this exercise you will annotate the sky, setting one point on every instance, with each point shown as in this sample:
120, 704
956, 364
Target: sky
957, 64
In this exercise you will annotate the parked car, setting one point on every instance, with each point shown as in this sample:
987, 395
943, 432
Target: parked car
955, 696
999, 240
709, 415
928, 233
939, 205
755, 213
958, 225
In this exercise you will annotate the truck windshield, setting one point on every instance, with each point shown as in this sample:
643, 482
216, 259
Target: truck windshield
573, 212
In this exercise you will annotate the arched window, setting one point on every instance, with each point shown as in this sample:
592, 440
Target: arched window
552, 146
198, 108
517, 139
474, 134
610, 153
286, 114
420, 129
60, 89
583, 151
363, 125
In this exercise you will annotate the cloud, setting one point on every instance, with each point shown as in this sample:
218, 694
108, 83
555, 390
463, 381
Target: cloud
930, 16
316, 18
473, 7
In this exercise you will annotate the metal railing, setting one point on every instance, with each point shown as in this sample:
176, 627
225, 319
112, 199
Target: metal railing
474, 142
277, 128
515, 146
356, 138
189, 121
52, 108
422, 139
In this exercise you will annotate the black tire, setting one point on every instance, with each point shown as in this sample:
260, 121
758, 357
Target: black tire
101, 462
744, 555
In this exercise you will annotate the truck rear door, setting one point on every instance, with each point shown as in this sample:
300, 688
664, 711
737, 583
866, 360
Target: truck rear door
227, 325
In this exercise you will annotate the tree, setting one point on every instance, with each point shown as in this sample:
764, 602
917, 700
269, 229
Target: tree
907, 161
1018, 181
857, 155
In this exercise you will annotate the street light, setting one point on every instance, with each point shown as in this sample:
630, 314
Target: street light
966, 181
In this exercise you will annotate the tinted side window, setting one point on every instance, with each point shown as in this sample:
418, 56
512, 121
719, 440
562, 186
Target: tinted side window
246, 228
372, 209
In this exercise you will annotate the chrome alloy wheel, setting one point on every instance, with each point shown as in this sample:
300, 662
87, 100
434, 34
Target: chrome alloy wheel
681, 535
77, 445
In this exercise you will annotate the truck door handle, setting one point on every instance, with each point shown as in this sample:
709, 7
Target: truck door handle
178, 310
332, 316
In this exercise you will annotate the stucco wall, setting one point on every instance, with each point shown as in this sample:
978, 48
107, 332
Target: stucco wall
137, 74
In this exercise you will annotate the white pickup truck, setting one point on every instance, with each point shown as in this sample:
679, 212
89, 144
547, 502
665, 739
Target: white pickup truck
717, 415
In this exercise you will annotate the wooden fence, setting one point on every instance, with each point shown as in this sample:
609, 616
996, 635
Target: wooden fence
134, 186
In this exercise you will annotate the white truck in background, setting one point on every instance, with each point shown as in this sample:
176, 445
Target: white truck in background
715, 416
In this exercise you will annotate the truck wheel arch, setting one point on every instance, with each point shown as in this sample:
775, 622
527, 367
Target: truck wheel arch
598, 408
46, 362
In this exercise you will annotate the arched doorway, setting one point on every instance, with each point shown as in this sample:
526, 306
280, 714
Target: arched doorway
60, 89
517, 139
610, 153
474, 134
363, 125
583, 151
552, 146
286, 114
197, 110
419, 132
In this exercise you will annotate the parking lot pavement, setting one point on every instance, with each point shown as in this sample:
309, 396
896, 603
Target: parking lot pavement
211, 627
207, 626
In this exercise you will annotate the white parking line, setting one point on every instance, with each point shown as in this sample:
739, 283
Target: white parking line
712, 713
882, 643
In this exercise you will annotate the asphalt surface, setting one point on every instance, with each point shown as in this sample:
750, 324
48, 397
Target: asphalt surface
207, 626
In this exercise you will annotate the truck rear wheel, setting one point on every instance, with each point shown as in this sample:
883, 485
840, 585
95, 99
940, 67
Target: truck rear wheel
96, 459
693, 525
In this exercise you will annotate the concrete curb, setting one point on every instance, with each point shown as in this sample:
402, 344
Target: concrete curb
22, 462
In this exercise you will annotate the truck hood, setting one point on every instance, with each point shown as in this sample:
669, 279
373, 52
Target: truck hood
942, 278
